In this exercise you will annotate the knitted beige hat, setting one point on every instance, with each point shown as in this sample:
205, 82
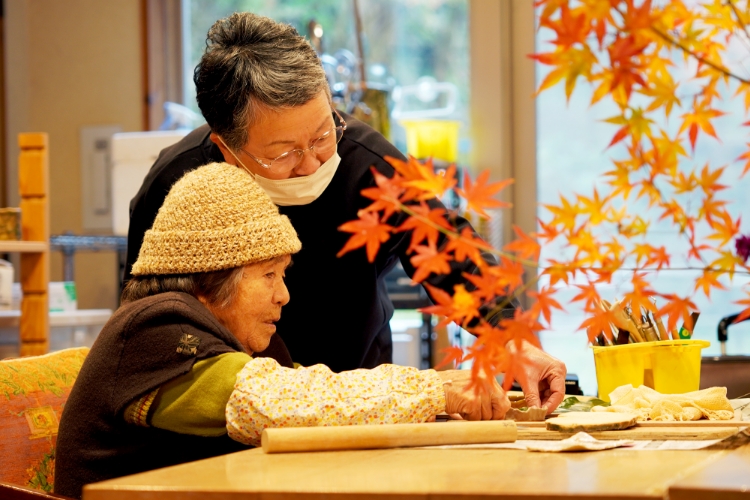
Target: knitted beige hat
215, 217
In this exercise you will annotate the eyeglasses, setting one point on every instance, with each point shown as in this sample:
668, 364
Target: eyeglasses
323, 145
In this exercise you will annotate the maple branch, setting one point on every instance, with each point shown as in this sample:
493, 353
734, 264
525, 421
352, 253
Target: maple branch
739, 18
516, 293
700, 58
454, 234
687, 50
649, 269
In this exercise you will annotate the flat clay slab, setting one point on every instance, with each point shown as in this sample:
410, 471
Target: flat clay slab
533, 414
590, 422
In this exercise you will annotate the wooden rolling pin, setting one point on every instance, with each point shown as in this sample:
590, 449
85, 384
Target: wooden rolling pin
361, 437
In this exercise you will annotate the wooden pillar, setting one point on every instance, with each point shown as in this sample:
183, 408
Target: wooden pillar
33, 166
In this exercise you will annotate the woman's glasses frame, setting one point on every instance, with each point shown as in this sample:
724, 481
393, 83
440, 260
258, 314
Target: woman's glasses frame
280, 165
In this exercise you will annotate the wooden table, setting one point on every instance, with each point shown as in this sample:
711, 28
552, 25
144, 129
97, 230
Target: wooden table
441, 474
725, 476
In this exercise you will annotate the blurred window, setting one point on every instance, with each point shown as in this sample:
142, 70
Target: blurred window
572, 157
403, 41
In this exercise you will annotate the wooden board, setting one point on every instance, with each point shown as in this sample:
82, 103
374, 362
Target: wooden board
637, 433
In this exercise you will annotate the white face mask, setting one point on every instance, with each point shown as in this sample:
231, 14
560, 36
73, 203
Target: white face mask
296, 190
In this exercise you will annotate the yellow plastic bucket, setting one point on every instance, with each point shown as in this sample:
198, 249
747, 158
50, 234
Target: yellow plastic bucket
667, 366
432, 138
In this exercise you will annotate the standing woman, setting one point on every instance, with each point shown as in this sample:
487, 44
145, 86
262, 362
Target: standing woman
266, 101
172, 378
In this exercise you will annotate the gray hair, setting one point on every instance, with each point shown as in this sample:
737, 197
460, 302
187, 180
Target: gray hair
218, 288
252, 62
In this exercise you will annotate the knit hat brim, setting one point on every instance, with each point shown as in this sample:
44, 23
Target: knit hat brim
182, 252
216, 217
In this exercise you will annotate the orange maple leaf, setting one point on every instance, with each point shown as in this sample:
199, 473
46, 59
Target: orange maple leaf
599, 322
726, 262
466, 246
590, 295
367, 231
544, 303
746, 312
454, 355
641, 252
695, 250
726, 229
509, 273
594, 207
386, 194
409, 171
560, 271
708, 180
569, 63
676, 308
522, 327
461, 307
479, 194
525, 246
708, 280
712, 208
625, 68
640, 297
672, 209
431, 184
637, 18
487, 286
565, 214
699, 119
548, 232
745, 156
425, 224
660, 257
572, 27
651, 255
429, 260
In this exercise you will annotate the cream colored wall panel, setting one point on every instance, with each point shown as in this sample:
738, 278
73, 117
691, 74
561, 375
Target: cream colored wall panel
82, 67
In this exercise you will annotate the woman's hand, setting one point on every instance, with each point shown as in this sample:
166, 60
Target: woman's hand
469, 405
542, 378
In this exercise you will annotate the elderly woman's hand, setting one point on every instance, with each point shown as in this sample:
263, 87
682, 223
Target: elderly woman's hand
542, 378
471, 406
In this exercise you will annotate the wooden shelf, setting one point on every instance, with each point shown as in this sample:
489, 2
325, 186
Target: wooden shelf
33, 184
23, 246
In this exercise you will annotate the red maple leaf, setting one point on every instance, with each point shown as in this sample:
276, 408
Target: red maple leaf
386, 194
544, 303
454, 355
424, 225
429, 260
677, 308
479, 194
467, 246
525, 246
590, 296
746, 313
599, 322
367, 231
460, 308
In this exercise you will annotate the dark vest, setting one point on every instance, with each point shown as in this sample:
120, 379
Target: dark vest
135, 353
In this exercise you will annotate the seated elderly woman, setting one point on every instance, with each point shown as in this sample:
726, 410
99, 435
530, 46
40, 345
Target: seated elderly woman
171, 377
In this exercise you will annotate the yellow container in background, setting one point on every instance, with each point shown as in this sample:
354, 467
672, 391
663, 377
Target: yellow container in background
432, 138
667, 366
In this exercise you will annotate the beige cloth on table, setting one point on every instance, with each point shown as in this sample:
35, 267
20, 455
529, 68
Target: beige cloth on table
647, 404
